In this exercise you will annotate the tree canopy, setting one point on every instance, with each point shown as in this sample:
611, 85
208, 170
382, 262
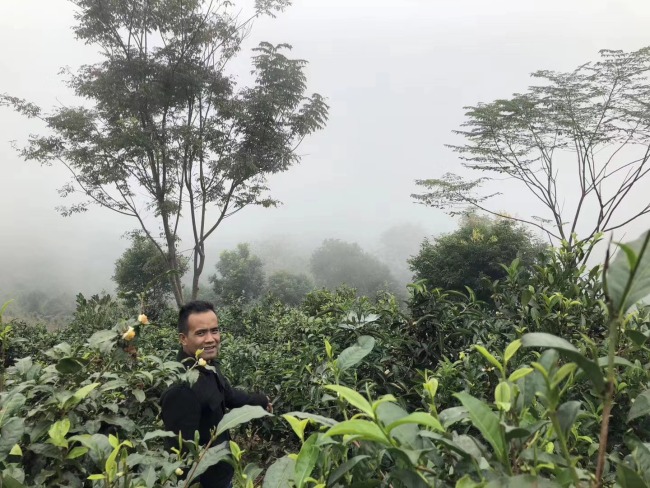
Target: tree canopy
474, 253
240, 276
141, 275
588, 130
337, 262
164, 134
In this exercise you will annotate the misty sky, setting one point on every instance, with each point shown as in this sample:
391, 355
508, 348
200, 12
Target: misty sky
396, 75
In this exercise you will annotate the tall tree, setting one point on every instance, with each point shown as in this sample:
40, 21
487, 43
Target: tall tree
165, 135
240, 275
473, 255
588, 130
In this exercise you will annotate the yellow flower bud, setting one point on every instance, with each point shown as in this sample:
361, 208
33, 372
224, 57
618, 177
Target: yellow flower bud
179, 472
142, 318
129, 334
202, 362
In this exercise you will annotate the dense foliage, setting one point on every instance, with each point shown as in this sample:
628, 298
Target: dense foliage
240, 276
546, 386
338, 262
473, 255
142, 276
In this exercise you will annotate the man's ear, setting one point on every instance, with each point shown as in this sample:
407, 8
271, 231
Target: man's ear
182, 338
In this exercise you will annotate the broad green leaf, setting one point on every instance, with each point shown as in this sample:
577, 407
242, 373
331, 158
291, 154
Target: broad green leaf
298, 426
57, 432
452, 415
344, 468
96, 477
486, 421
640, 407
158, 433
103, 340
306, 461
358, 427
406, 434
440, 439
567, 413
16, 450
280, 473
618, 361
139, 395
82, 393
566, 349
420, 418
10, 434
491, 359
10, 482
316, 418
519, 374
240, 415
408, 478
76, 452
211, 457
503, 396
511, 350
636, 336
12, 403
68, 366
627, 478
628, 275
353, 398
353, 355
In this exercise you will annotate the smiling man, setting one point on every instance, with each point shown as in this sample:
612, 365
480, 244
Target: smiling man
201, 407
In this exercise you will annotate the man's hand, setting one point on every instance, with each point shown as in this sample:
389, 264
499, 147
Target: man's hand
269, 406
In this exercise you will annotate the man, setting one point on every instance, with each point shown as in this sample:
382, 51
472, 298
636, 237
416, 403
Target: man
201, 407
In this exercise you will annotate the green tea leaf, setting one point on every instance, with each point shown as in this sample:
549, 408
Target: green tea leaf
486, 421
420, 418
628, 275
68, 366
491, 359
240, 415
280, 473
566, 349
344, 468
511, 350
353, 355
316, 418
627, 478
353, 398
306, 461
361, 428
640, 407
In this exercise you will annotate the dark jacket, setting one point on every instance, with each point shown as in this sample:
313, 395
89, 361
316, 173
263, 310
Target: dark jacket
201, 407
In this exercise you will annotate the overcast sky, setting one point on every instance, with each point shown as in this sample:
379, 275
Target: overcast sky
396, 75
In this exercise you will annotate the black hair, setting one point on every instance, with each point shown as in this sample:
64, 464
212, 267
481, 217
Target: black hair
196, 306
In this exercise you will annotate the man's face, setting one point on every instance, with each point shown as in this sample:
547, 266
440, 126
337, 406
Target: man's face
202, 333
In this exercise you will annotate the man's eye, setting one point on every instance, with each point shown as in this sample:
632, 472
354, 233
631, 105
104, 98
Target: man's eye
215, 331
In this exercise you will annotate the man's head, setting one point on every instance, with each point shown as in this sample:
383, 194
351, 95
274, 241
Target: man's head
198, 328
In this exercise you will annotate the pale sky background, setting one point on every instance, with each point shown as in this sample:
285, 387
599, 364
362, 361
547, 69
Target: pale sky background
396, 75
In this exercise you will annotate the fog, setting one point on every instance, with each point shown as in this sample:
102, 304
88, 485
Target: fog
396, 75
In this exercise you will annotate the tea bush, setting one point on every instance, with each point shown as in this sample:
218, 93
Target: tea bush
548, 385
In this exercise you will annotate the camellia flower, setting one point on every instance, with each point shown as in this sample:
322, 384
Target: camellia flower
142, 318
202, 362
129, 334
179, 472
